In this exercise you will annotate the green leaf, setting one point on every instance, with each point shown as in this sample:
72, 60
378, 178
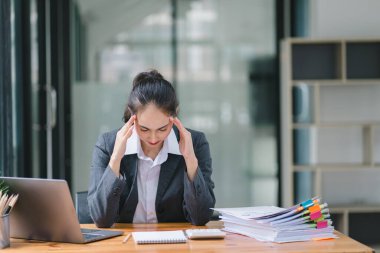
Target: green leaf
4, 188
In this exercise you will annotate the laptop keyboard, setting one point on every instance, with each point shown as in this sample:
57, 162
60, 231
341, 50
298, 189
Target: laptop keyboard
89, 231
88, 237
89, 234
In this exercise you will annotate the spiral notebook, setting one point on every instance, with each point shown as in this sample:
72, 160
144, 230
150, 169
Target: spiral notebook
176, 236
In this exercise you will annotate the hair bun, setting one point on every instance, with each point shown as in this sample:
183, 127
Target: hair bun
147, 77
151, 87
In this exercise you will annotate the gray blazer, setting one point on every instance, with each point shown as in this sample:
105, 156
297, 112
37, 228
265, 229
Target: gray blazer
112, 199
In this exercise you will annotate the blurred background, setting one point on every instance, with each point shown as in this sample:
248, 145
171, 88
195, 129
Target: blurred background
67, 66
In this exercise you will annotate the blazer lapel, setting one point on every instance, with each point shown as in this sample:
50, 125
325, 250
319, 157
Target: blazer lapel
167, 172
129, 168
130, 200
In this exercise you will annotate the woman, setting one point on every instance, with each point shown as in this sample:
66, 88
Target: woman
153, 169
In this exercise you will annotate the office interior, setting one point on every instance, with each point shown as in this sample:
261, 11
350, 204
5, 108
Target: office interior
66, 67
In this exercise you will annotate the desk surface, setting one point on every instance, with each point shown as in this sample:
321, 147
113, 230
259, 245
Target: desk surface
232, 243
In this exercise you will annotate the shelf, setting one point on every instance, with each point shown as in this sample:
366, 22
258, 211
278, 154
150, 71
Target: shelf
360, 221
316, 61
332, 106
358, 208
334, 167
363, 60
349, 104
331, 122
307, 41
330, 142
337, 124
337, 82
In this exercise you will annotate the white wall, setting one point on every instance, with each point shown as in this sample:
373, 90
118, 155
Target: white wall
344, 18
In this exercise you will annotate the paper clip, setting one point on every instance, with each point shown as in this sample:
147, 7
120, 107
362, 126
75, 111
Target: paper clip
322, 224
314, 208
315, 215
307, 203
323, 217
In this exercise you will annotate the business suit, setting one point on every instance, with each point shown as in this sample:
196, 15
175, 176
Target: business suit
112, 199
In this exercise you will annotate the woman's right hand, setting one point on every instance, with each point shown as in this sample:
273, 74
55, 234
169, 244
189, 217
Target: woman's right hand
120, 145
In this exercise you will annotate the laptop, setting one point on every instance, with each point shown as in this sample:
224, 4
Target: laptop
45, 211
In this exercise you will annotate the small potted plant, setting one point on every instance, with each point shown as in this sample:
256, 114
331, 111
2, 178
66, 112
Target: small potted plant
6, 204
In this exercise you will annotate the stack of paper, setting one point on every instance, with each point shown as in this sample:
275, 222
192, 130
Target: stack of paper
306, 221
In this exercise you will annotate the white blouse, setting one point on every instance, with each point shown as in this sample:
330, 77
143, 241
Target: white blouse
148, 173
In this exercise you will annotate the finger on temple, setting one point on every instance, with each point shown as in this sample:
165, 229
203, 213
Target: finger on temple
178, 123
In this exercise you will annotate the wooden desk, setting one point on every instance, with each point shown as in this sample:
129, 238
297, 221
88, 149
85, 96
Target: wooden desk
232, 243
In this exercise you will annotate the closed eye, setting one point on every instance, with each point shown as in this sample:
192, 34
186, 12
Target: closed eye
161, 129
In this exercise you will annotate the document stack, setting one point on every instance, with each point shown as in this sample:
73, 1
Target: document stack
308, 220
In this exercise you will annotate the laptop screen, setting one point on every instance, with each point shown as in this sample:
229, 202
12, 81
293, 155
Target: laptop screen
44, 210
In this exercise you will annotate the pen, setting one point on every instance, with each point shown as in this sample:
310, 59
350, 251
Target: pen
3, 201
126, 238
11, 204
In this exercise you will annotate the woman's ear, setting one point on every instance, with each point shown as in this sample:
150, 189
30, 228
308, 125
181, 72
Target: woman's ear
176, 111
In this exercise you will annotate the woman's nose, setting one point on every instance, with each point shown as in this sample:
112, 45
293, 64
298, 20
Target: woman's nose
153, 137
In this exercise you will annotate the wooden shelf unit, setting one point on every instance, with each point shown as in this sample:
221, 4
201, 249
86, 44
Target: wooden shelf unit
314, 73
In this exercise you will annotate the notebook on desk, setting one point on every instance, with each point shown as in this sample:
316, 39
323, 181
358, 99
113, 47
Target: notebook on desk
45, 211
176, 236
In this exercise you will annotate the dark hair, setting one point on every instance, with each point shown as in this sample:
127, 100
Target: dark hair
151, 87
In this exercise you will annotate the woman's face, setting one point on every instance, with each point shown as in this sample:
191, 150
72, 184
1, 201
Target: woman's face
152, 126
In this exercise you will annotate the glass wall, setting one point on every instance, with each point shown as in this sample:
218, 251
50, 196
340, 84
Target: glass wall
225, 50
225, 53
121, 39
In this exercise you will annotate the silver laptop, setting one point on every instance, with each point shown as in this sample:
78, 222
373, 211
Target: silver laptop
45, 211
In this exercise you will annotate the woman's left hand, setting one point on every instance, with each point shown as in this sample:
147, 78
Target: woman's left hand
186, 148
